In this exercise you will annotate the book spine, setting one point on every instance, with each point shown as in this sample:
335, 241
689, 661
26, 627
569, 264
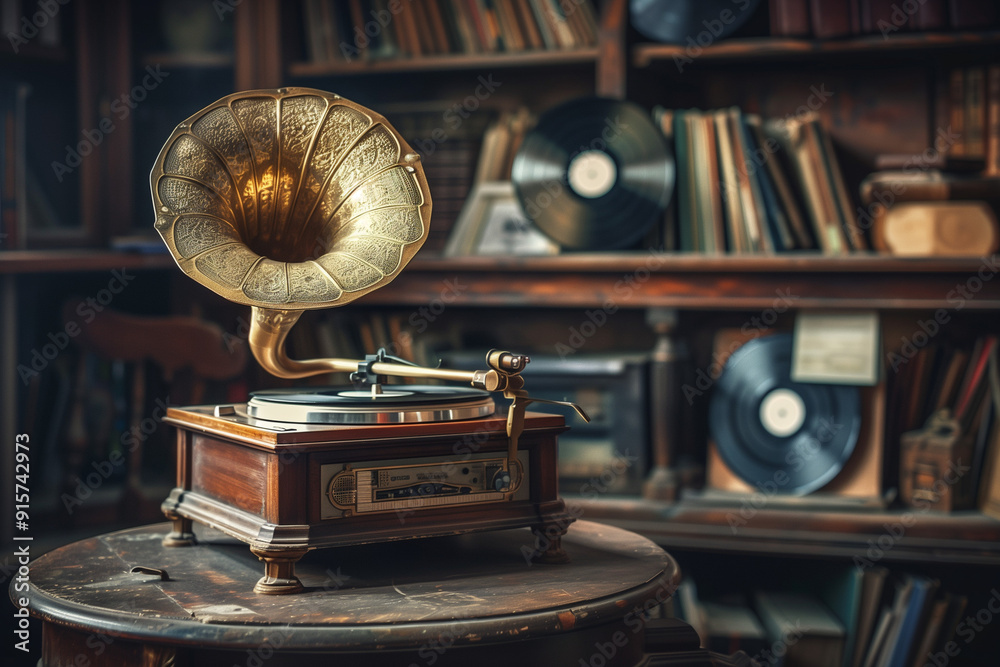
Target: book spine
830, 19
993, 120
932, 15
956, 112
790, 18
972, 14
975, 112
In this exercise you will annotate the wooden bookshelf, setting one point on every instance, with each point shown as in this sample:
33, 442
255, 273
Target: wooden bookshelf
445, 63
957, 538
694, 281
62, 261
172, 60
674, 280
773, 48
264, 56
31, 51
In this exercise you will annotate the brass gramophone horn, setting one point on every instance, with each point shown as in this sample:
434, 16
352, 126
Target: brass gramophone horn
287, 200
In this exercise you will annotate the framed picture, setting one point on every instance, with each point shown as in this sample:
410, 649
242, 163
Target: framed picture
493, 223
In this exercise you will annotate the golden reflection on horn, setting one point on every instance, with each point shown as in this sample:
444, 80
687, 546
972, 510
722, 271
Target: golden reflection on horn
288, 200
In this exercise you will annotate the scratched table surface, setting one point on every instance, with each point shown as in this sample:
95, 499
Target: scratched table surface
387, 595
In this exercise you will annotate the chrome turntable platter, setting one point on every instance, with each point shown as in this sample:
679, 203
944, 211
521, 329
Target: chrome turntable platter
396, 404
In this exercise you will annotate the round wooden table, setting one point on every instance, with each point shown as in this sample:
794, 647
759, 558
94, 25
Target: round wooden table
473, 599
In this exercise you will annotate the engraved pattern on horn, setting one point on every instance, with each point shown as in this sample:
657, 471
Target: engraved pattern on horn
290, 199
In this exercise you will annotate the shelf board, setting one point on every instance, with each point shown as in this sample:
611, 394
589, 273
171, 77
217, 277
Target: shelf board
691, 262
60, 261
770, 48
177, 60
448, 62
637, 280
647, 279
961, 537
33, 52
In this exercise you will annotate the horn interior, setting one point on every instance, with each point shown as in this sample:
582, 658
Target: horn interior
290, 199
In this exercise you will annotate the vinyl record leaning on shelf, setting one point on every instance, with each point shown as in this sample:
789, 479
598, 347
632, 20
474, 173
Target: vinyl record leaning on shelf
594, 174
678, 21
771, 430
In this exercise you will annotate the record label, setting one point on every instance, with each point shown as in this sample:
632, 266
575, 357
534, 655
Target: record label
592, 174
771, 430
782, 412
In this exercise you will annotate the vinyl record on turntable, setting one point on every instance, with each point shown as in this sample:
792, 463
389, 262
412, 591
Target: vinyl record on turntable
677, 21
767, 426
594, 174
394, 404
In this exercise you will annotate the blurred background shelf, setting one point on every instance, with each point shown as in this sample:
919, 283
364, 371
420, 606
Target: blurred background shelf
957, 538
773, 48
445, 63
63, 261
661, 280
641, 280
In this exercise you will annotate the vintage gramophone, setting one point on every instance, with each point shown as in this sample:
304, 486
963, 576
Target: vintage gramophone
293, 199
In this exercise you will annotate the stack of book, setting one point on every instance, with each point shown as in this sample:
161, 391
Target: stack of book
825, 19
853, 617
973, 116
745, 185
926, 380
13, 170
501, 142
379, 29
449, 156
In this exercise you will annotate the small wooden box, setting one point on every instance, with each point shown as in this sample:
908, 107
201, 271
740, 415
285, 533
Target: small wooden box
934, 466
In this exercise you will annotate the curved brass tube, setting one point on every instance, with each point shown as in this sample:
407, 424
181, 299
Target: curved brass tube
269, 328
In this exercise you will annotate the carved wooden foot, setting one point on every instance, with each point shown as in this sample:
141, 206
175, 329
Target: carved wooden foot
182, 534
548, 538
279, 572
